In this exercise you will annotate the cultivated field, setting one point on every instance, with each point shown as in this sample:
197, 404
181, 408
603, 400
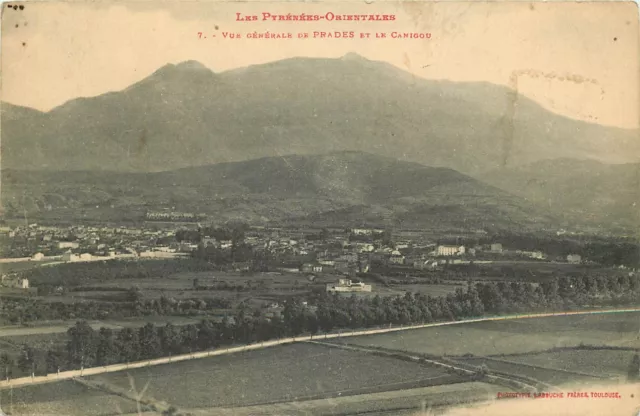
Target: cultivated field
513, 336
391, 402
233, 286
545, 375
278, 374
63, 398
608, 363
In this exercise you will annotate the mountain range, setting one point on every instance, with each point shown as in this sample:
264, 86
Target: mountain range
329, 141
338, 188
186, 115
585, 190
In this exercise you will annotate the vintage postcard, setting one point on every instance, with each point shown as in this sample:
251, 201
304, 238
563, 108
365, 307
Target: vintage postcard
319, 208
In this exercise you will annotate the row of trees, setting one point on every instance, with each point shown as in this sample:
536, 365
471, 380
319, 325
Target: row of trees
23, 310
329, 312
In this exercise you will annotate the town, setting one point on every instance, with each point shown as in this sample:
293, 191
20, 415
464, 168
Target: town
339, 252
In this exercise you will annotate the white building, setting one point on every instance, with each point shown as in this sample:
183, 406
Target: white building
362, 231
9, 281
365, 248
346, 285
574, 259
450, 250
68, 244
396, 257
37, 257
226, 244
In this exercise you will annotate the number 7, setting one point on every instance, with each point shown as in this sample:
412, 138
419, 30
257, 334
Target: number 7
199, 35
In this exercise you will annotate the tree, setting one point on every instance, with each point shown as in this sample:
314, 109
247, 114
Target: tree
476, 306
149, 341
54, 361
106, 349
170, 339
207, 334
6, 366
313, 325
550, 289
237, 232
294, 319
491, 297
26, 360
325, 317
189, 335
82, 344
128, 345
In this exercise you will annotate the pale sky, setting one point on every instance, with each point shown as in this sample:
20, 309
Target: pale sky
577, 59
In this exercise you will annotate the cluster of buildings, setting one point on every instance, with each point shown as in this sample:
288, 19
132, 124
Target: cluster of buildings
343, 254
340, 251
347, 285
89, 243
12, 281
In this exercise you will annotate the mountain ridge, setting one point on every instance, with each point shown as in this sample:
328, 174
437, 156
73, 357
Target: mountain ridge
294, 188
597, 192
187, 115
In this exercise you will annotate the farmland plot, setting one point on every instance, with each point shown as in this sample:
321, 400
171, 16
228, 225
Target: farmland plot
543, 374
603, 362
513, 336
286, 373
63, 398
390, 402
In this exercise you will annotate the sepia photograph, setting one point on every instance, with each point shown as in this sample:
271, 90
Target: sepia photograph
319, 208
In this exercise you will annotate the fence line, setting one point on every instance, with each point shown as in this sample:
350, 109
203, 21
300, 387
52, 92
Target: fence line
66, 375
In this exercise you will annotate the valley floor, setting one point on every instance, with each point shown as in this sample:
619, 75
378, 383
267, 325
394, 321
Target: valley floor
349, 377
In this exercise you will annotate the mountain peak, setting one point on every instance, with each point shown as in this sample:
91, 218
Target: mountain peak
183, 67
191, 65
352, 56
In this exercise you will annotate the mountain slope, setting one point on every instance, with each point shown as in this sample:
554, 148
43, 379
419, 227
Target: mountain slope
343, 188
596, 192
185, 115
